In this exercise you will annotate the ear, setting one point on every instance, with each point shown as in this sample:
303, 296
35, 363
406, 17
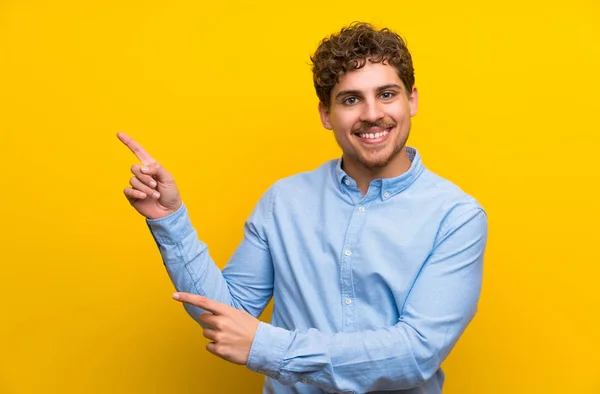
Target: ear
413, 101
325, 116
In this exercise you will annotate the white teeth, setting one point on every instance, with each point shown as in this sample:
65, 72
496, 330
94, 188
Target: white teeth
373, 135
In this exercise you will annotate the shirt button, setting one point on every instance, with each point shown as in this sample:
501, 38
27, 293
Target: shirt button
348, 301
386, 195
347, 252
347, 182
361, 208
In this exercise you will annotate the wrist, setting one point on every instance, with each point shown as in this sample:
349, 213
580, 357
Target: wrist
171, 228
167, 211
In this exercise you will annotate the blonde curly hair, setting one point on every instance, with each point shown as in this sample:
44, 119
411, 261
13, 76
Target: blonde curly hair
351, 48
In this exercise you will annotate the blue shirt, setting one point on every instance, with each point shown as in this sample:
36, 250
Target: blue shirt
370, 292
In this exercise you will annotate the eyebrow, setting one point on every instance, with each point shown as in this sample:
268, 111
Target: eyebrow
358, 92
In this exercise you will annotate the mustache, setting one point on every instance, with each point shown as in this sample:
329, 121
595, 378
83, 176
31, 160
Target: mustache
367, 125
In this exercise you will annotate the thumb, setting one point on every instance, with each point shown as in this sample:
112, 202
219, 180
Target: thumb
158, 172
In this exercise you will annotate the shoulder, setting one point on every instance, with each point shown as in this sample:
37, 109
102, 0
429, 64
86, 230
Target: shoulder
455, 204
305, 181
295, 188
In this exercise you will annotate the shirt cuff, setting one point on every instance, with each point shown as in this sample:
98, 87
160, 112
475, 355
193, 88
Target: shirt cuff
173, 228
268, 348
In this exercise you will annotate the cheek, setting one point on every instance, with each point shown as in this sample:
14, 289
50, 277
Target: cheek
400, 112
345, 121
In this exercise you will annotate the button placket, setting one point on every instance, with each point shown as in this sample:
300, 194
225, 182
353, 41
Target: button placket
348, 255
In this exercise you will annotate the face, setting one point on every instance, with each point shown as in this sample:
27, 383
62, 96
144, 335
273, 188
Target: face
370, 115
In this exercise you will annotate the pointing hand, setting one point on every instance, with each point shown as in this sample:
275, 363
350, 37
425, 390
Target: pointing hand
153, 192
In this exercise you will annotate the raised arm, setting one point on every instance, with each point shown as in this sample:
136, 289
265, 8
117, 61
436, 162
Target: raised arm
246, 283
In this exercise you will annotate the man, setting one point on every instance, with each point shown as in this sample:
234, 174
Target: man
373, 261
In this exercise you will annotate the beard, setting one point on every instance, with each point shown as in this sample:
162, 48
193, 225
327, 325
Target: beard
374, 161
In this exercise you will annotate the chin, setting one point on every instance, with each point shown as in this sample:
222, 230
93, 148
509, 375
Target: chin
379, 161
376, 163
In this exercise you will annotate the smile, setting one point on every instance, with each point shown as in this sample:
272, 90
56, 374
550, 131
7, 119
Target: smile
374, 137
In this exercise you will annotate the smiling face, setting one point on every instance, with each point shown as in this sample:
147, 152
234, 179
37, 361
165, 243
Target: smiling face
370, 115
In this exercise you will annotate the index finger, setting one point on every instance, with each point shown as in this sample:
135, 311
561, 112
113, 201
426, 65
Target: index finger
136, 148
216, 308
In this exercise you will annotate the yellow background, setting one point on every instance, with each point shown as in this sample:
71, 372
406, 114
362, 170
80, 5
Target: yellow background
221, 94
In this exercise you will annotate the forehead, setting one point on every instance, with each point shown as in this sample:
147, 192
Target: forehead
368, 78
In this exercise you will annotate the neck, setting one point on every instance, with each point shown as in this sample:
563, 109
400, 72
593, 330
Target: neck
364, 175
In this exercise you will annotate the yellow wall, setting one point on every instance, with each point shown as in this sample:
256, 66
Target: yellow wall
221, 93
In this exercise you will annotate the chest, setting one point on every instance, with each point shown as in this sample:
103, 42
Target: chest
371, 245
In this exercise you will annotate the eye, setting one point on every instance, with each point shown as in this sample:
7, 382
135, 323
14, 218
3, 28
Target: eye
387, 95
350, 101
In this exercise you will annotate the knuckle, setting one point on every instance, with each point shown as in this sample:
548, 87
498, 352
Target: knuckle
220, 350
225, 324
220, 325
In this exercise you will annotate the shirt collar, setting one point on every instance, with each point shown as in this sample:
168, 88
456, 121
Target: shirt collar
389, 186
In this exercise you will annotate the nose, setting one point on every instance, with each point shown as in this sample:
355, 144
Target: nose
372, 111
